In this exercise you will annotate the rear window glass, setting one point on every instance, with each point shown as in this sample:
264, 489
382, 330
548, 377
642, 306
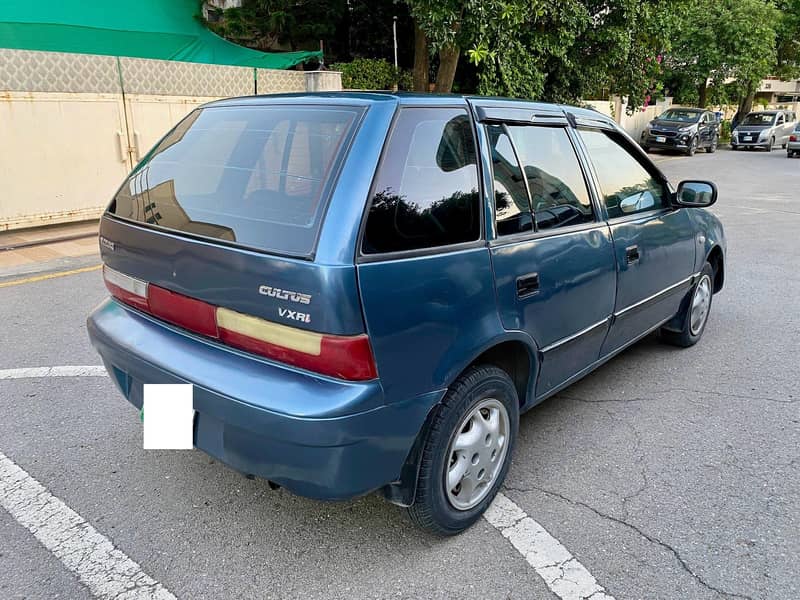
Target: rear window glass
425, 194
255, 176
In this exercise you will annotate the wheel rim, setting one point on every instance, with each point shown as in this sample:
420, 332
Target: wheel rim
701, 301
476, 454
693, 146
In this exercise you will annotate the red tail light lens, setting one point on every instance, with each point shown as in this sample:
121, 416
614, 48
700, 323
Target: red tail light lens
792, 138
183, 311
344, 357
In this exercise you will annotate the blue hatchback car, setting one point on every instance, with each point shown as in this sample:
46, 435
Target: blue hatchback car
366, 290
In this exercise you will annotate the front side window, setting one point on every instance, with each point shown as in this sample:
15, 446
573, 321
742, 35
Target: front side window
627, 187
426, 192
559, 196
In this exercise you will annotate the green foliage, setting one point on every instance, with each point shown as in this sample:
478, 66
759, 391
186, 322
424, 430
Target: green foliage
725, 131
719, 40
267, 24
372, 74
787, 41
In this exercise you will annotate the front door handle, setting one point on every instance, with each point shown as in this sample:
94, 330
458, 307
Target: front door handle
632, 254
527, 285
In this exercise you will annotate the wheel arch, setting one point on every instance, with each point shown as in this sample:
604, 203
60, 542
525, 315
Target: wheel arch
517, 355
717, 261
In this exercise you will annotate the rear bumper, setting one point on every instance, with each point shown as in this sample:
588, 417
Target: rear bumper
316, 436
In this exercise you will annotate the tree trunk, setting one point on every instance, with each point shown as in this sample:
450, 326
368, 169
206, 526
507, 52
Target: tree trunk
746, 103
448, 61
421, 67
702, 95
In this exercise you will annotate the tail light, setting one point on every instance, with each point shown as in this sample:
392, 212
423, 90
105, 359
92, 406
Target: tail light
792, 138
344, 357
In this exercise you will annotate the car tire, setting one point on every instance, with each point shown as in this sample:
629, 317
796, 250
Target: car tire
771, 144
481, 394
692, 147
694, 312
790, 154
712, 147
646, 149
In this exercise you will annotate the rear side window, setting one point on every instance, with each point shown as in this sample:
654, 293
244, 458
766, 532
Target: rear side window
426, 191
559, 196
257, 176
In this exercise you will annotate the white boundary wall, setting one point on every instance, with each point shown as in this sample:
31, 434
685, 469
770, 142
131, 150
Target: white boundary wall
73, 125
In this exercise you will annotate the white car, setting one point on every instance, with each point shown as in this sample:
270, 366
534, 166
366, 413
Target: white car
764, 129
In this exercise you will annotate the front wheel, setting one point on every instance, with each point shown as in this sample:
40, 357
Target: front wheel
692, 147
771, 144
694, 312
467, 452
712, 147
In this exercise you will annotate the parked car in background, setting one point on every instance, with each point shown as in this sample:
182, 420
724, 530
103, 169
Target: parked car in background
764, 129
683, 129
367, 290
793, 145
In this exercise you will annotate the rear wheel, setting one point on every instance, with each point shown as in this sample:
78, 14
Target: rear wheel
467, 452
790, 153
695, 310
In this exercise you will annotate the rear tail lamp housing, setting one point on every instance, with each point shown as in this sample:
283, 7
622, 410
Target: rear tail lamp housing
344, 357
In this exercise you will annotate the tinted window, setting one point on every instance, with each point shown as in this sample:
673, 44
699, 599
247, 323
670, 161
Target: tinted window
256, 176
559, 196
680, 114
426, 191
512, 210
627, 187
762, 119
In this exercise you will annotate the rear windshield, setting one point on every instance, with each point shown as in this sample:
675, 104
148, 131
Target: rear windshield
255, 176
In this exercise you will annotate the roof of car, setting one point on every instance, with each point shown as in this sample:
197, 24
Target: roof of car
360, 97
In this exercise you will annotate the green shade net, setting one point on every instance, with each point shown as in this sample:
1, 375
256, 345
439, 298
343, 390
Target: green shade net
162, 29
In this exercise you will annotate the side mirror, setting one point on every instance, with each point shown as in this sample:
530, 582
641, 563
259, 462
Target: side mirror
696, 194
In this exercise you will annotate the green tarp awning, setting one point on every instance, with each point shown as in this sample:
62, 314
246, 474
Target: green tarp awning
162, 29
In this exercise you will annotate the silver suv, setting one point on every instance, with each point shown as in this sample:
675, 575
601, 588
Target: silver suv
764, 129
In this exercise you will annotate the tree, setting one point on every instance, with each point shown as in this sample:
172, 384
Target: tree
723, 40
787, 43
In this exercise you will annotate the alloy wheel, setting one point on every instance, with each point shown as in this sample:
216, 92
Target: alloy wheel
701, 301
476, 454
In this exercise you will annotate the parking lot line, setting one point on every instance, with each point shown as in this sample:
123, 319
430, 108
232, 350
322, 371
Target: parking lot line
48, 276
107, 571
29, 372
562, 573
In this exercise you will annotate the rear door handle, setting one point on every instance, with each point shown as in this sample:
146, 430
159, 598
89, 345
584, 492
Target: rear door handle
527, 285
632, 254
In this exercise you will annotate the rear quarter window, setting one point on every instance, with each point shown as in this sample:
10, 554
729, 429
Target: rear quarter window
426, 192
255, 176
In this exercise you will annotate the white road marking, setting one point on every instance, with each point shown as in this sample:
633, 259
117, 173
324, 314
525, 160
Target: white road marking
32, 372
105, 570
108, 572
564, 575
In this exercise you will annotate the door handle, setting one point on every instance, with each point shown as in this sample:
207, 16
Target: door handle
527, 285
632, 254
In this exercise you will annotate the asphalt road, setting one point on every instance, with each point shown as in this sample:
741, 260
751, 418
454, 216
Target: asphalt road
670, 474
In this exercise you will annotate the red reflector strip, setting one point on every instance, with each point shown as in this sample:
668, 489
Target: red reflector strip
183, 311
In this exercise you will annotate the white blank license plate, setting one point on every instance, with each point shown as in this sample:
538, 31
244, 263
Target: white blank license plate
661, 139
